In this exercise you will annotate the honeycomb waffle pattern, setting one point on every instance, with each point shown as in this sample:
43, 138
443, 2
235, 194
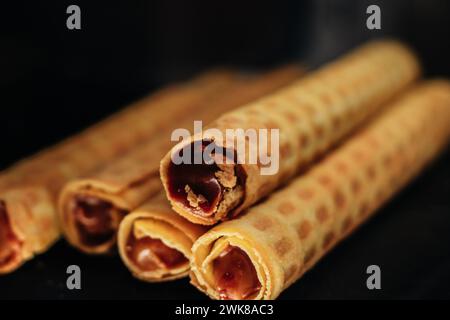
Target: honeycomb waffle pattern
298, 225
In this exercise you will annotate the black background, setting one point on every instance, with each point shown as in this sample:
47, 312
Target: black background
56, 81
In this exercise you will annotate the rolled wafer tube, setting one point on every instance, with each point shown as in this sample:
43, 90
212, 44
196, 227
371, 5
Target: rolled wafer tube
311, 114
155, 242
28, 225
91, 208
261, 253
28, 189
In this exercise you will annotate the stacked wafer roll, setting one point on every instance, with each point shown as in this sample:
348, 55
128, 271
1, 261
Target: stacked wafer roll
261, 253
28, 190
312, 114
155, 242
92, 207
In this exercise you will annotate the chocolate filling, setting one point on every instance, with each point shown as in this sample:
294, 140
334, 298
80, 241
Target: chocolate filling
150, 254
235, 275
94, 220
9, 244
197, 186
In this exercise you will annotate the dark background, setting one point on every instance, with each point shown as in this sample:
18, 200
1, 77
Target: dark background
55, 81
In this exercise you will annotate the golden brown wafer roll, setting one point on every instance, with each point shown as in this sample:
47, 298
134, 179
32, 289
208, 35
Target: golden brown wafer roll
312, 114
28, 225
28, 189
155, 242
91, 208
260, 254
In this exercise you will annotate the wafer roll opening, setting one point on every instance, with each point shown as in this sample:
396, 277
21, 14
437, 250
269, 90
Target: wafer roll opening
149, 254
10, 245
153, 246
231, 266
91, 221
95, 219
210, 185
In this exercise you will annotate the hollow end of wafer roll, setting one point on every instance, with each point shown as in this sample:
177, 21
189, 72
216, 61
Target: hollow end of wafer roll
204, 192
90, 217
149, 250
28, 226
229, 264
155, 243
10, 244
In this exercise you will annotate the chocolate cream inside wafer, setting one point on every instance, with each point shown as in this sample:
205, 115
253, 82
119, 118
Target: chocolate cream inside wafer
9, 243
206, 189
96, 219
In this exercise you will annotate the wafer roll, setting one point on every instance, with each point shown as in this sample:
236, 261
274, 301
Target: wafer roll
155, 242
28, 189
311, 114
28, 225
261, 253
92, 207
